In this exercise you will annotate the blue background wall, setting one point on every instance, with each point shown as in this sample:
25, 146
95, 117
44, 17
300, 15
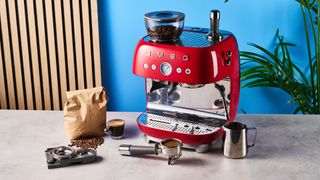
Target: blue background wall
122, 25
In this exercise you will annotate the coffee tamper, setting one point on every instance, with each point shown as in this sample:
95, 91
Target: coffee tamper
214, 34
170, 148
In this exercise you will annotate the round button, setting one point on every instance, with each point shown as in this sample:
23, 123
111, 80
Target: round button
178, 70
153, 66
145, 65
188, 71
165, 69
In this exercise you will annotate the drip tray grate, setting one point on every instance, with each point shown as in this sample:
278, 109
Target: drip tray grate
178, 125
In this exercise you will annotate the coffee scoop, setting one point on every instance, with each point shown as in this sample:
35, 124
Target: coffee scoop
170, 148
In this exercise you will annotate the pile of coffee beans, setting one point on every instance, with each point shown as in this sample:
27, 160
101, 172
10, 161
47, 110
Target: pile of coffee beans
87, 143
164, 33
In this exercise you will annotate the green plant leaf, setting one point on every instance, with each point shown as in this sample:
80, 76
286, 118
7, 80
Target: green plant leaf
258, 59
277, 69
301, 74
263, 50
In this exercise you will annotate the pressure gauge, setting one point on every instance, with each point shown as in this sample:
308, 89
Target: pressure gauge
166, 69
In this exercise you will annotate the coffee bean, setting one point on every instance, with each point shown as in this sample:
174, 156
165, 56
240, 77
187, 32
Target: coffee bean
87, 143
164, 33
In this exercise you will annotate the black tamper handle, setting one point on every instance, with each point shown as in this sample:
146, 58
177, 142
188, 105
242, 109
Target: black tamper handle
214, 21
214, 35
133, 150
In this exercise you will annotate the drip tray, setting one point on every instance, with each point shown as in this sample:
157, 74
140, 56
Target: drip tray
175, 125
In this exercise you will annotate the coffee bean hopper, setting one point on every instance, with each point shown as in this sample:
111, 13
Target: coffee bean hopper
191, 79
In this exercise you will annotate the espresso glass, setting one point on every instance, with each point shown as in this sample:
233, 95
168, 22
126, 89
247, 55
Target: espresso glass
115, 128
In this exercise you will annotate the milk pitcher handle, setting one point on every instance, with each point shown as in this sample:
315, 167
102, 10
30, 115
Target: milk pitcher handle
255, 135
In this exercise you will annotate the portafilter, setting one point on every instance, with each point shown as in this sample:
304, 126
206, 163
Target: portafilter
170, 148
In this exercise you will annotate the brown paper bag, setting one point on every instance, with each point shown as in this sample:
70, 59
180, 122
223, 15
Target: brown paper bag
85, 113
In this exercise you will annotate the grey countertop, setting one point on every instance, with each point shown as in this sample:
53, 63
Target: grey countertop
287, 147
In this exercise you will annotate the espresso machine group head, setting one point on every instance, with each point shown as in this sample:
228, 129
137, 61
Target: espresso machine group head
191, 79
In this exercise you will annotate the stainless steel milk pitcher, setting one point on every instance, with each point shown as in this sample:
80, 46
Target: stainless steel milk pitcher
234, 140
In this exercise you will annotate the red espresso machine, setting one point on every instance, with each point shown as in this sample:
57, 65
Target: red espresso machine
191, 79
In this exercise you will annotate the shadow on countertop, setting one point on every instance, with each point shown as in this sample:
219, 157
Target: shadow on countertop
131, 131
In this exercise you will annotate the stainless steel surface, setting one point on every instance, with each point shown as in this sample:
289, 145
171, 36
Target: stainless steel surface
136, 150
177, 125
195, 38
164, 16
185, 85
62, 152
63, 156
173, 153
188, 114
83, 152
234, 138
170, 152
198, 148
202, 100
214, 34
179, 108
124, 149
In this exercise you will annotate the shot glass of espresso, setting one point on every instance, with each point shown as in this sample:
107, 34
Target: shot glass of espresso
115, 128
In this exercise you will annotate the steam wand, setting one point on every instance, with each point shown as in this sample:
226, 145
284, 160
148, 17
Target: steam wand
221, 90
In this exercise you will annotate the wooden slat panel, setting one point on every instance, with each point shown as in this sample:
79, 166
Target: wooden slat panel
3, 92
69, 42
96, 43
47, 47
52, 56
87, 42
43, 55
34, 54
78, 43
7, 55
25, 54
61, 50
16, 54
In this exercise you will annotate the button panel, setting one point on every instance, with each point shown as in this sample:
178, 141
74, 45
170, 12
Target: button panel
166, 68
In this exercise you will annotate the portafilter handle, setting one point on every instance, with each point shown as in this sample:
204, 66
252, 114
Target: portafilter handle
214, 34
134, 150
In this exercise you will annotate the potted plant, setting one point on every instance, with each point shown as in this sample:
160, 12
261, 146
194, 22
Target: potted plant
277, 69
